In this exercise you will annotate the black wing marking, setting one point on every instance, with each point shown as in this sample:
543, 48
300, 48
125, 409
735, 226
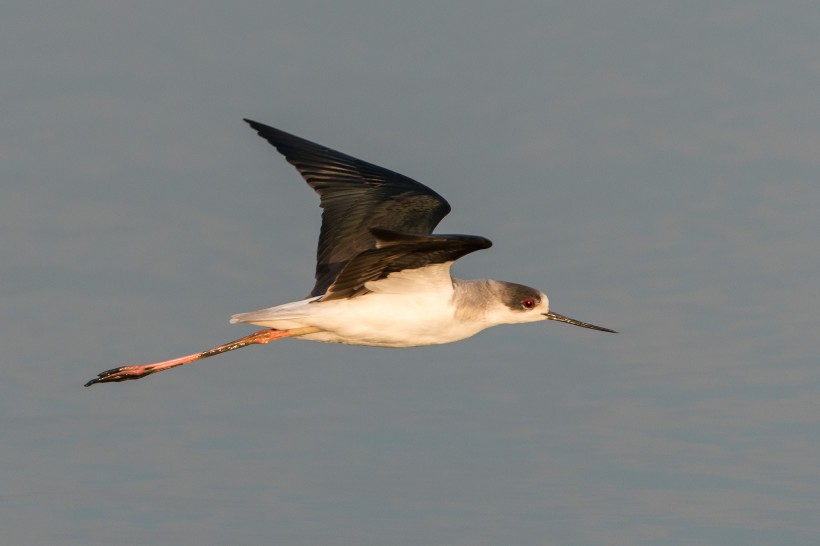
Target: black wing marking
398, 252
356, 196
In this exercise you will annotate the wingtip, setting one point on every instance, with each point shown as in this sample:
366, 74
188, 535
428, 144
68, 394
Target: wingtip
271, 134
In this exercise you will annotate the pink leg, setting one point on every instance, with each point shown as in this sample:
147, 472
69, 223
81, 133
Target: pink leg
127, 373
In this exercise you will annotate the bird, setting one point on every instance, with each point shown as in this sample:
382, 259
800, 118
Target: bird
382, 276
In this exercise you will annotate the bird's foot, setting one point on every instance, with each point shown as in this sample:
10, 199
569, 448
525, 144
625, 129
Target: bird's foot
127, 373
124, 373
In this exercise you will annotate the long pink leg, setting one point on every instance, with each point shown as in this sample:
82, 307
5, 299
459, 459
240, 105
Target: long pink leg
127, 373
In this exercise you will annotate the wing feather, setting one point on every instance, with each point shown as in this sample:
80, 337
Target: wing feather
356, 196
397, 252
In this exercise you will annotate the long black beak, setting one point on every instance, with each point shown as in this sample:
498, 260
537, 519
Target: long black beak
561, 318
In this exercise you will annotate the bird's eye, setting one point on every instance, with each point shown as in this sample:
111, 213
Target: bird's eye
528, 303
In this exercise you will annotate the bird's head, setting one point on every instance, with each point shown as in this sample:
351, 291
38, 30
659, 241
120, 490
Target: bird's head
525, 304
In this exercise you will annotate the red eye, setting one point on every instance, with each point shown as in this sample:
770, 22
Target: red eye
528, 303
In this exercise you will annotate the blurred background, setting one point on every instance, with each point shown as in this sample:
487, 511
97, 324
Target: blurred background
653, 166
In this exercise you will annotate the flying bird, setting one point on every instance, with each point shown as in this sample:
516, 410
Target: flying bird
382, 276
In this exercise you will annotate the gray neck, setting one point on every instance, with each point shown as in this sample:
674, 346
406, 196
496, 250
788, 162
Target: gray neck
474, 298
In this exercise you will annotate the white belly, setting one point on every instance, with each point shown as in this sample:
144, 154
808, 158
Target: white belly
384, 320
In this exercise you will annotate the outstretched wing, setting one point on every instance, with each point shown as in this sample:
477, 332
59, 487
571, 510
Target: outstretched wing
356, 196
399, 253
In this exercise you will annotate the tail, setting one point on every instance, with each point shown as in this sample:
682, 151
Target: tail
288, 311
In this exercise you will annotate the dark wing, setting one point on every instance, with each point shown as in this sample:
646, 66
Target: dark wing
396, 252
356, 196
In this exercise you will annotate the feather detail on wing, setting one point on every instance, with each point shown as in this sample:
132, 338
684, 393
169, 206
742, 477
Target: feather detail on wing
419, 259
